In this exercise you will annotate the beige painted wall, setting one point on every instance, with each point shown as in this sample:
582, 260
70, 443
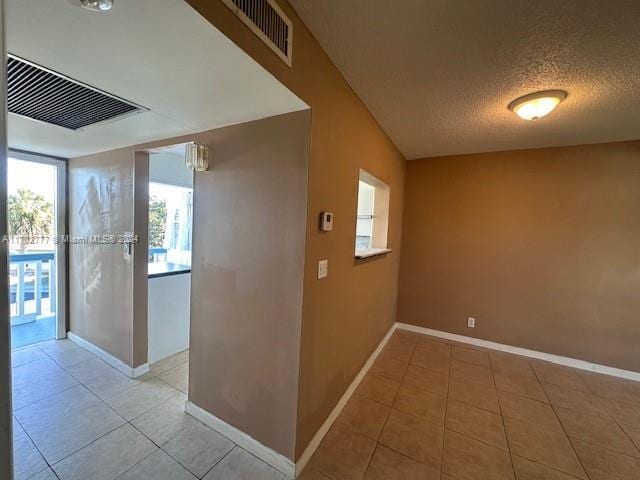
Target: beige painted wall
346, 315
247, 273
101, 276
140, 259
541, 246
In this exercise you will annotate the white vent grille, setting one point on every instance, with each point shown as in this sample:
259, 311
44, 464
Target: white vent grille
46, 96
267, 21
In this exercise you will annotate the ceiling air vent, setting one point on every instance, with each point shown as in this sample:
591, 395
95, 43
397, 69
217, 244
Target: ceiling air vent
46, 96
267, 21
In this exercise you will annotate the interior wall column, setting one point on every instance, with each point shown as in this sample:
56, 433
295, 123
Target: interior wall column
6, 450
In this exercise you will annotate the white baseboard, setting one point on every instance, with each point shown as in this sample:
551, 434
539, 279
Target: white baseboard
549, 357
140, 370
570, 362
267, 455
108, 358
317, 438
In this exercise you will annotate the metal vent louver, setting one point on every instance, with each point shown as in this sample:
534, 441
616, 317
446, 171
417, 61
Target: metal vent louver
267, 21
41, 94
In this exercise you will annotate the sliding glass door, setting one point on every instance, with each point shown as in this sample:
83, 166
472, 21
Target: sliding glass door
36, 228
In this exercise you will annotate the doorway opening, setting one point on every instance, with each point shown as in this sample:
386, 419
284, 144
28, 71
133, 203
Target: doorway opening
170, 235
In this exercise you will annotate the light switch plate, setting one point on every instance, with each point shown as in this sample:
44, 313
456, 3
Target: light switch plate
471, 322
323, 268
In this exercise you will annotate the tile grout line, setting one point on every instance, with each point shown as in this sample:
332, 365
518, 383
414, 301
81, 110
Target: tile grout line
90, 443
504, 426
446, 409
444, 429
58, 365
50, 465
103, 401
637, 447
386, 420
126, 422
555, 414
619, 424
103, 435
393, 401
136, 464
546, 401
553, 408
160, 447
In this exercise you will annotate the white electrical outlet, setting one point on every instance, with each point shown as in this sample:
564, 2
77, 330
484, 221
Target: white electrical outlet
323, 268
471, 322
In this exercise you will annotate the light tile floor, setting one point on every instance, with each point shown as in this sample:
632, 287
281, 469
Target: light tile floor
432, 409
77, 418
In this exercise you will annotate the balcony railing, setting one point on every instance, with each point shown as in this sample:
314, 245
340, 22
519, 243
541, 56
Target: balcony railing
32, 290
32, 280
157, 254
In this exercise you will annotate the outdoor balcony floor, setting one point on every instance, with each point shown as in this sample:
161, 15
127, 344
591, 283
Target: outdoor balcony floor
33, 332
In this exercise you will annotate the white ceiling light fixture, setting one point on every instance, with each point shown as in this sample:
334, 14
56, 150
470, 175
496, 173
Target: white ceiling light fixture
95, 5
536, 105
196, 157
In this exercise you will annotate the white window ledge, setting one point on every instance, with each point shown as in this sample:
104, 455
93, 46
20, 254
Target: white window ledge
371, 252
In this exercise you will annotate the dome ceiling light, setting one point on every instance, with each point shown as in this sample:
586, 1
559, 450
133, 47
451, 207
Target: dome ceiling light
536, 105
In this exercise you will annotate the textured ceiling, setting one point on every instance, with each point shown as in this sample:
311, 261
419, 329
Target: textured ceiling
438, 74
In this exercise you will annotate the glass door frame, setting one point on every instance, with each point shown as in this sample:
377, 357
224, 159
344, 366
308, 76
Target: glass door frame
60, 209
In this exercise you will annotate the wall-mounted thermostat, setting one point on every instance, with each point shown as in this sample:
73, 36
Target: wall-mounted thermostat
326, 221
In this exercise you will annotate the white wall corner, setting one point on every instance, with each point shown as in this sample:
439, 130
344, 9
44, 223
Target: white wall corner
116, 363
320, 434
264, 453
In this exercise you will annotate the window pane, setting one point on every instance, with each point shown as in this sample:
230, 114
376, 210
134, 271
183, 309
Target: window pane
170, 222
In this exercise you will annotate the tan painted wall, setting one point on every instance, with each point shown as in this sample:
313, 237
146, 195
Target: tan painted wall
346, 315
246, 280
542, 246
101, 276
